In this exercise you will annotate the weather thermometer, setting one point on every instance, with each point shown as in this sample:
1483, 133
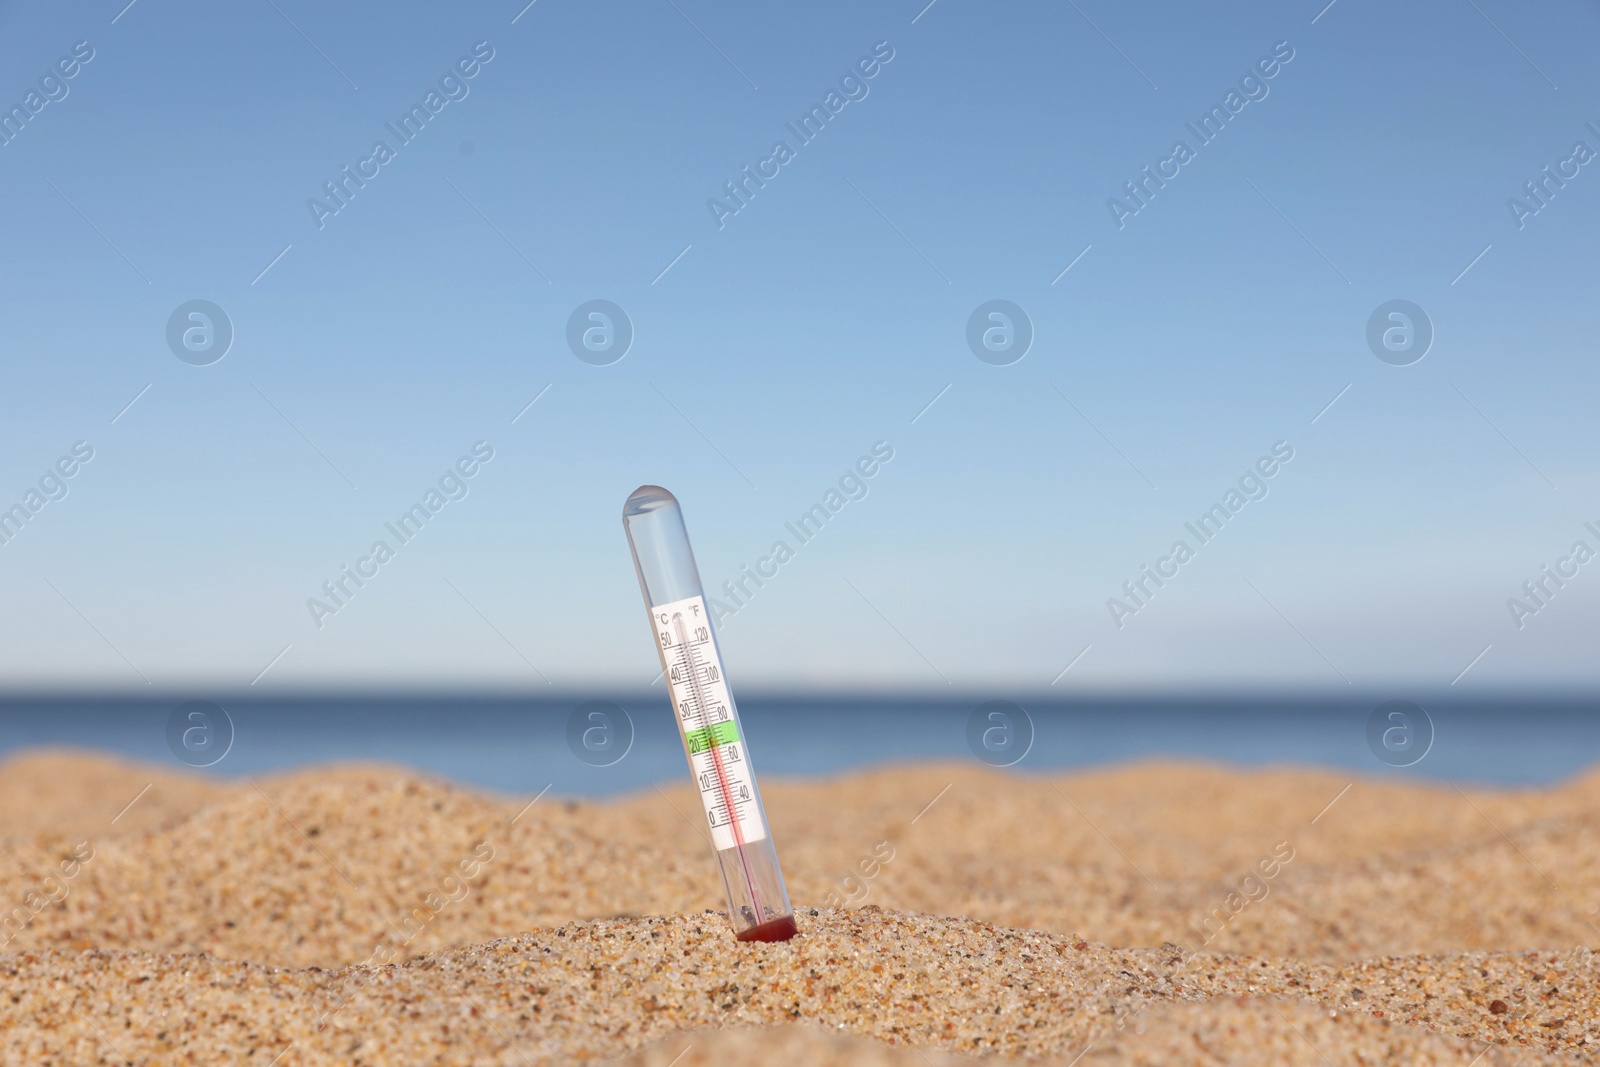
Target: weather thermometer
719, 759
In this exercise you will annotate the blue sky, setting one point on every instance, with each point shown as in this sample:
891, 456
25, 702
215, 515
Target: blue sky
372, 352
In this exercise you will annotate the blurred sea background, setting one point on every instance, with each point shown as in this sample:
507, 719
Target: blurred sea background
523, 745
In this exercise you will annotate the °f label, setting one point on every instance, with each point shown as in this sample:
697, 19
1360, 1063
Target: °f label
717, 756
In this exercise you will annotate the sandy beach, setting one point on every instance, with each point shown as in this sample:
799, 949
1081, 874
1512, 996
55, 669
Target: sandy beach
1156, 913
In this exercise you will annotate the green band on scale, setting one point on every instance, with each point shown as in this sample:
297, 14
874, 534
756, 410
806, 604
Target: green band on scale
721, 734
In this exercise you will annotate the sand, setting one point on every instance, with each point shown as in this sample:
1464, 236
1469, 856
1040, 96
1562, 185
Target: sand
1148, 914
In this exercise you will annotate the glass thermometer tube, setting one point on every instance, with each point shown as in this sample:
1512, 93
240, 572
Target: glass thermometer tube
719, 760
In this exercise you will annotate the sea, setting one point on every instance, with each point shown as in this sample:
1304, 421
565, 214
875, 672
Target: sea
598, 745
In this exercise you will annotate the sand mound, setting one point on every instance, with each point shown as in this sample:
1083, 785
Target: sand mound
67, 792
1240, 1030
1253, 916
591, 990
322, 867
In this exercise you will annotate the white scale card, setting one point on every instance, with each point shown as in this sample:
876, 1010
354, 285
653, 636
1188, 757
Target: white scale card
717, 754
